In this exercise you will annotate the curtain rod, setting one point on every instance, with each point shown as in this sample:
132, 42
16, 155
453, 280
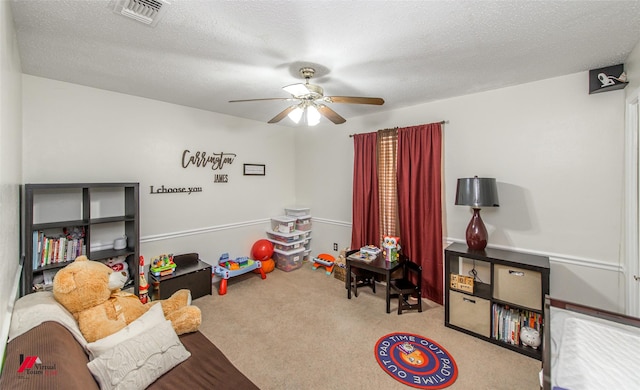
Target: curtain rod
441, 122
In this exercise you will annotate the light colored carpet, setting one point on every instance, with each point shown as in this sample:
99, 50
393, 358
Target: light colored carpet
298, 330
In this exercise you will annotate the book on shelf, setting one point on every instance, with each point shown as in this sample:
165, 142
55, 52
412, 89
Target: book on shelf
507, 323
55, 249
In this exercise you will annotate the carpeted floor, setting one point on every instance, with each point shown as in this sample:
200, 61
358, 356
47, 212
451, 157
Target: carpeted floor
297, 330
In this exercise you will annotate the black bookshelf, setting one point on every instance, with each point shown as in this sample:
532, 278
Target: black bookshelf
44, 199
516, 282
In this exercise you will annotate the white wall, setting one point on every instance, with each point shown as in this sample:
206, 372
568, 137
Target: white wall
10, 168
632, 67
632, 94
546, 143
556, 152
79, 134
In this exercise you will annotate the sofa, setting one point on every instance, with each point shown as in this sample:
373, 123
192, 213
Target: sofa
46, 350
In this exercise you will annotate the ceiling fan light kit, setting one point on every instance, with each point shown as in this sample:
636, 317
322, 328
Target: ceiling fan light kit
309, 110
311, 101
296, 114
313, 115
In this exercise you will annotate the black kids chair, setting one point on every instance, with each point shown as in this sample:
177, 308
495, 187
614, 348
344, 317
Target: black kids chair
409, 284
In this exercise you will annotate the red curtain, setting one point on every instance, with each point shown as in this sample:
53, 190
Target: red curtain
420, 203
366, 215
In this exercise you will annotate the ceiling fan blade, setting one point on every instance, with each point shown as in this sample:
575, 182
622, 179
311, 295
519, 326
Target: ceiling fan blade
282, 114
297, 89
257, 100
354, 100
330, 114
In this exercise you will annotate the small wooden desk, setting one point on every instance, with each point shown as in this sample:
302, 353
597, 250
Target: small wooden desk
379, 266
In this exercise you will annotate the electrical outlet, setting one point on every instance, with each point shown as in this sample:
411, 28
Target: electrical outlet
335, 246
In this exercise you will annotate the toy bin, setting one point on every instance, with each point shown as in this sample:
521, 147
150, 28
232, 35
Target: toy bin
286, 246
303, 223
290, 260
283, 224
306, 255
297, 212
307, 243
286, 238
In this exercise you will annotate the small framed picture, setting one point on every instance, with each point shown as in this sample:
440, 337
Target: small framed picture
254, 169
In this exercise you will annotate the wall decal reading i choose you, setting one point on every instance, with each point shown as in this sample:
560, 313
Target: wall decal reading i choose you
174, 190
213, 161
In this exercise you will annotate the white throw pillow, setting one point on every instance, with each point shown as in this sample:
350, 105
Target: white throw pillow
149, 320
139, 361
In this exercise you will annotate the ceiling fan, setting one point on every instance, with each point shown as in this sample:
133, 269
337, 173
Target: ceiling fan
311, 102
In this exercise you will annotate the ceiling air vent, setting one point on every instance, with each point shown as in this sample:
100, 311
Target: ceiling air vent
146, 11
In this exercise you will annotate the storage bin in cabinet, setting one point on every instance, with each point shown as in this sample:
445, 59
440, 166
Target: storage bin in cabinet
290, 260
518, 286
283, 224
470, 312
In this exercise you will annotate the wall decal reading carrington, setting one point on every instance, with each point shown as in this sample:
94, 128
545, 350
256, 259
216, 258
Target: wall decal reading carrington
201, 159
175, 190
216, 160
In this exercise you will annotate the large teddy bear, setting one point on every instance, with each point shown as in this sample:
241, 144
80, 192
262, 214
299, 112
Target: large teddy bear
90, 290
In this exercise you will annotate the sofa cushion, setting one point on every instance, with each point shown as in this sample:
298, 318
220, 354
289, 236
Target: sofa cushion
137, 362
46, 357
207, 368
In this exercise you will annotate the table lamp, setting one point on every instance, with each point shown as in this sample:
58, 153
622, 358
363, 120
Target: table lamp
477, 192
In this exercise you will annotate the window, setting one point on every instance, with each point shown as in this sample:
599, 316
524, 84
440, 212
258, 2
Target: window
387, 182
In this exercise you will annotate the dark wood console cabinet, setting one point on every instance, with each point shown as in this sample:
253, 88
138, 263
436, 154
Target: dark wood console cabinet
191, 273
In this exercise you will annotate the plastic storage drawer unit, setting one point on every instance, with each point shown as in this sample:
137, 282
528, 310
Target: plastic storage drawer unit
303, 224
283, 224
285, 237
288, 261
286, 246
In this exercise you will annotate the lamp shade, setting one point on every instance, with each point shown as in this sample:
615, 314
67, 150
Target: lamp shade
477, 192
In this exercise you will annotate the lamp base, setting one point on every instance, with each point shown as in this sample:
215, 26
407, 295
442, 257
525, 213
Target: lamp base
476, 232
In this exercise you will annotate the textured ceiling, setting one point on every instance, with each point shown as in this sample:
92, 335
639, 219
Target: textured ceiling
204, 53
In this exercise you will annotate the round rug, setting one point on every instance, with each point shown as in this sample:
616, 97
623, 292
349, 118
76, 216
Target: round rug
416, 361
